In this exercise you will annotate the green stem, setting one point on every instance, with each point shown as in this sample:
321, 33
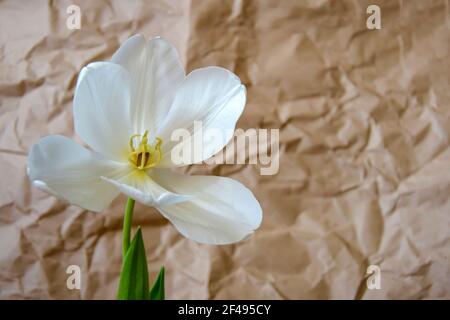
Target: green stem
127, 226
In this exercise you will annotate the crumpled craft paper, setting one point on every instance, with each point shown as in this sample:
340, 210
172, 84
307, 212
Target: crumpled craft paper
364, 119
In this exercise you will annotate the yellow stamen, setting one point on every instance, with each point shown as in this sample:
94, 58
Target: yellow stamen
144, 156
131, 141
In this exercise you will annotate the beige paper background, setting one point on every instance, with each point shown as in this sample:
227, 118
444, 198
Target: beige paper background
364, 162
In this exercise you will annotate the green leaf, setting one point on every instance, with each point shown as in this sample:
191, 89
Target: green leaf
133, 283
157, 292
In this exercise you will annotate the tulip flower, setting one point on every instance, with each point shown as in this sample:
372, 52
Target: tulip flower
125, 111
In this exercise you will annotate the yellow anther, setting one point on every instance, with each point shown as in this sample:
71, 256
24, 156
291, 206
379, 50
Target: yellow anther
132, 141
144, 156
145, 137
158, 142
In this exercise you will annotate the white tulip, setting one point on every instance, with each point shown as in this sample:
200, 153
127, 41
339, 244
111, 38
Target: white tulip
125, 111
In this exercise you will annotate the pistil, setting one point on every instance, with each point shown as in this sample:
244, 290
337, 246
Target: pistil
144, 156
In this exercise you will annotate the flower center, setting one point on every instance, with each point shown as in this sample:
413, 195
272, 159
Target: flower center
144, 156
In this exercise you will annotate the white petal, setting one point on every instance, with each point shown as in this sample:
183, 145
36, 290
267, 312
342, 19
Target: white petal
130, 53
212, 95
65, 169
101, 109
138, 186
156, 73
221, 210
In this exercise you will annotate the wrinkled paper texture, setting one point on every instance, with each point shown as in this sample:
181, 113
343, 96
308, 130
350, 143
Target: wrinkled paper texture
364, 121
